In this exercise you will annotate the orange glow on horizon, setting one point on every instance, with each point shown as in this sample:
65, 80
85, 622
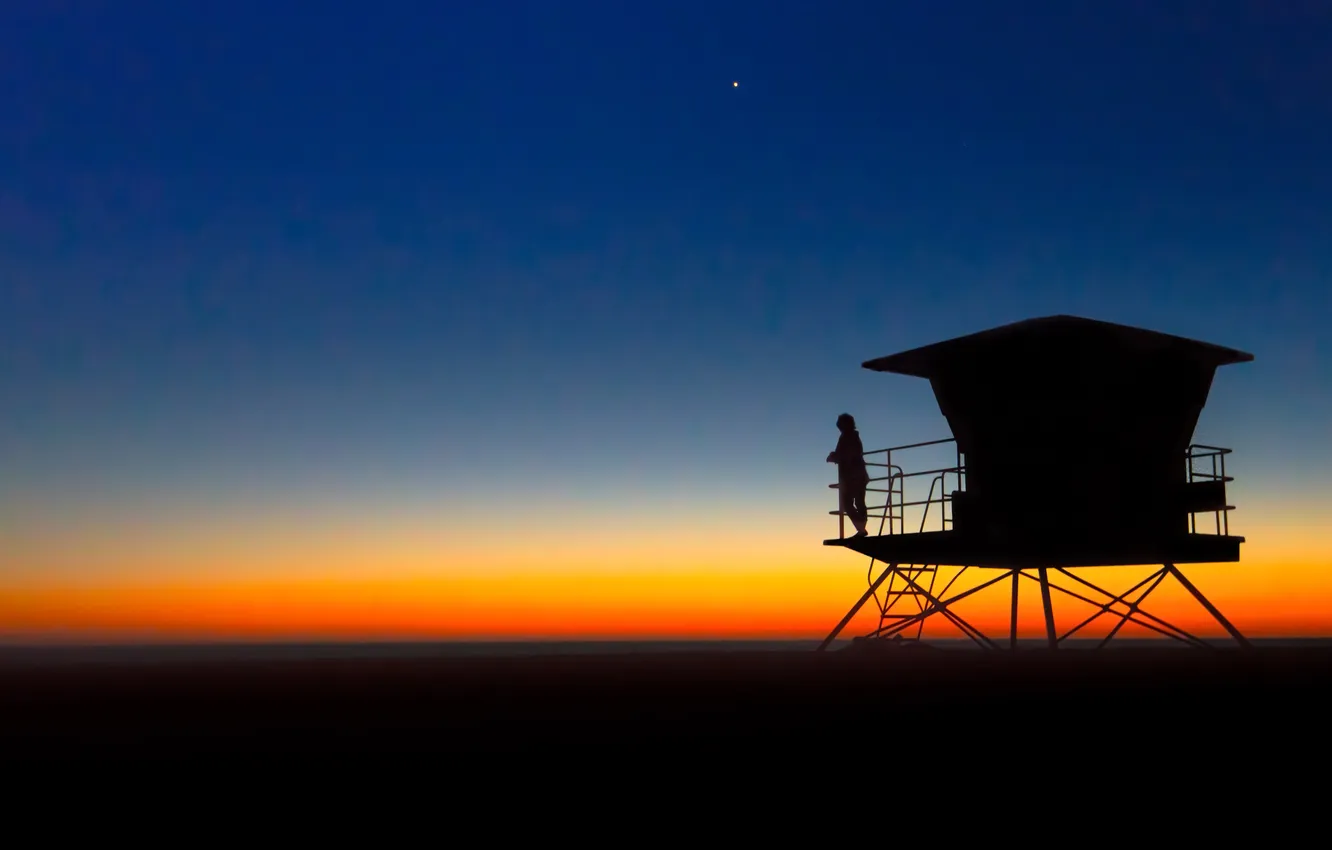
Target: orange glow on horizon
798, 605
708, 582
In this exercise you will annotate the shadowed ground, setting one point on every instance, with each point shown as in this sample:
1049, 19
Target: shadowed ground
673, 702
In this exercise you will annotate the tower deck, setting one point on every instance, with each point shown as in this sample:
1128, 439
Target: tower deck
951, 548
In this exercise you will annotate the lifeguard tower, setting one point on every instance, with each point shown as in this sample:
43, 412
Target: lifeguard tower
1072, 448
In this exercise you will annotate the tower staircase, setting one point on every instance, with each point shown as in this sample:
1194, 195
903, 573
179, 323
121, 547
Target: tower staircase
903, 591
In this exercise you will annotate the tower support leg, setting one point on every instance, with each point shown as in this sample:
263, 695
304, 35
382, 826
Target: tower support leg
1050, 635
932, 604
1012, 628
1211, 609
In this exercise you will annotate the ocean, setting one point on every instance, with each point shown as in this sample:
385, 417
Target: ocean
23, 654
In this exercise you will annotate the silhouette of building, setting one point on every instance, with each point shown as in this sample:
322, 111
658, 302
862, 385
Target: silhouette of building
1072, 439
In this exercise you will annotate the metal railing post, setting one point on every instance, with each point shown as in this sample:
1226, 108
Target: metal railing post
841, 517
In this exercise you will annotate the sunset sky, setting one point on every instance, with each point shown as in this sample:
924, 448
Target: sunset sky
520, 320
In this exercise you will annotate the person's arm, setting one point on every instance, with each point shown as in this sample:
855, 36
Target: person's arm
838, 455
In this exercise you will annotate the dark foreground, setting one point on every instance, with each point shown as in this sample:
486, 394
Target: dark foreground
926, 701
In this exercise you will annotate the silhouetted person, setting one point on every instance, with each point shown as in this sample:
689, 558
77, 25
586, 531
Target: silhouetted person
852, 475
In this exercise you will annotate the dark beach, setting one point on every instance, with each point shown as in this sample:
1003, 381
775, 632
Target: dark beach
669, 701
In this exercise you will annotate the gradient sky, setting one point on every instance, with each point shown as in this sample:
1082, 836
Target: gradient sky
517, 319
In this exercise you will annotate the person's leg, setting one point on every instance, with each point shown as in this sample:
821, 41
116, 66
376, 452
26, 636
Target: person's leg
861, 511
853, 503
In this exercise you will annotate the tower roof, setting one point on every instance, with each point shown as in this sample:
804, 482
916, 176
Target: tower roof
1052, 337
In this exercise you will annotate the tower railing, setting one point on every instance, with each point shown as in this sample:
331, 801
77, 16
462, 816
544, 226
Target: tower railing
888, 485
889, 478
1208, 463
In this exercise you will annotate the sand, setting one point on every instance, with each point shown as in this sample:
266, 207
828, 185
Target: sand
669, 702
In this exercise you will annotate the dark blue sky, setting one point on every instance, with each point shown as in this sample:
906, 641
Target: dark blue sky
412, 252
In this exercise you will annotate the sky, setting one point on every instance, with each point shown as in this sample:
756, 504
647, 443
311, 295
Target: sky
524, 320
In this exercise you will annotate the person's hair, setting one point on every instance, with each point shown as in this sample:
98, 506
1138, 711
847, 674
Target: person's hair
846, 422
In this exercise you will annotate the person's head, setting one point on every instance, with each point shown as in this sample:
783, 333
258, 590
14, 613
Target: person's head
846, 422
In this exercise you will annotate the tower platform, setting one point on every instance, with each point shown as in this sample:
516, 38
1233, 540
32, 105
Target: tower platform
954, 548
